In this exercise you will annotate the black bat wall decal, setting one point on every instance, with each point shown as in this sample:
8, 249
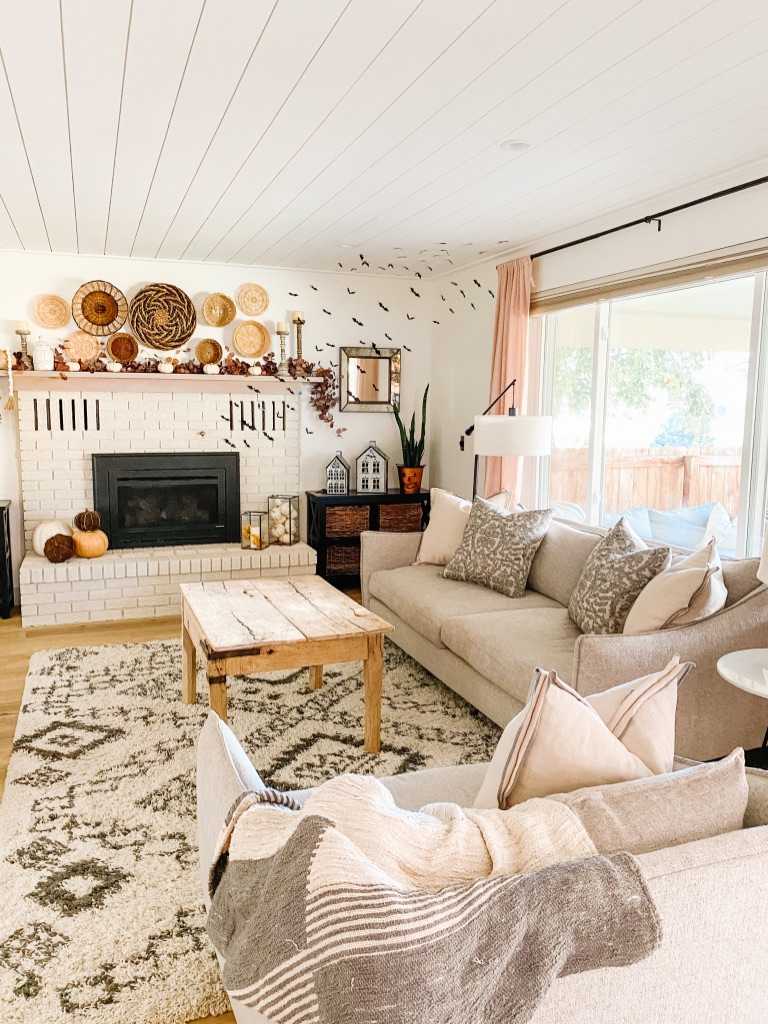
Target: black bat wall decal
349, 290
415, 292
381, 304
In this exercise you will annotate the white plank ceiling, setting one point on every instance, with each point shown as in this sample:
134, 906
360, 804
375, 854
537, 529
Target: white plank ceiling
356, 134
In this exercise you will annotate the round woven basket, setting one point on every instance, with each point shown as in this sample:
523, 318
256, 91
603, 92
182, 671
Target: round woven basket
51, 312
252, 299
99, 308
219, 310
163, 317
82, 346
251, 339
208, 351
122, 348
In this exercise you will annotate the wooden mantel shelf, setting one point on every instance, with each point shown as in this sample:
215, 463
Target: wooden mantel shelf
52, 380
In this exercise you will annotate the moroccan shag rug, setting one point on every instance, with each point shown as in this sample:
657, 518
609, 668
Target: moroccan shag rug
101, 915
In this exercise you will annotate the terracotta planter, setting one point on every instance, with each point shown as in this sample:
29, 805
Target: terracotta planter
410, 478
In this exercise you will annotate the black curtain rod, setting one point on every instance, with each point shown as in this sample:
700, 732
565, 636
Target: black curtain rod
654, 217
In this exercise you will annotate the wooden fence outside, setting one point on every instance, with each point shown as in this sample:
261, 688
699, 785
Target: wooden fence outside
662, 478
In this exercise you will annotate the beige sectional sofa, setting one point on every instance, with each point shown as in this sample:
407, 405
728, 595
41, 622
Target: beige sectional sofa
712, 896
485, 646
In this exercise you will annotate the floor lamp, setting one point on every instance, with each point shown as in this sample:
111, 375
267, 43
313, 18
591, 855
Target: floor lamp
511, 436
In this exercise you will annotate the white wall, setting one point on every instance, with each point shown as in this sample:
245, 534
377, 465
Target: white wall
24, 276
461, 354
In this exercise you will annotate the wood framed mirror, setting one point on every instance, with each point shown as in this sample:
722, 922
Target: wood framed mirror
369, 379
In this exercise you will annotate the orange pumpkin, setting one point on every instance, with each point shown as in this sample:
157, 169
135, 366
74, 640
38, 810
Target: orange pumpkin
90, 543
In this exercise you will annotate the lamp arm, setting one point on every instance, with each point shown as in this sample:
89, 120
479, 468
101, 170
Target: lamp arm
471, 428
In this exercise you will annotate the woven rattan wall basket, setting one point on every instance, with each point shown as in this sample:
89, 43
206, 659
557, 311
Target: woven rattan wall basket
163, 317
99, 308
51, 312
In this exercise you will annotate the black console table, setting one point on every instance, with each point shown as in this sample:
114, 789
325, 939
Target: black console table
6, 570
335, 522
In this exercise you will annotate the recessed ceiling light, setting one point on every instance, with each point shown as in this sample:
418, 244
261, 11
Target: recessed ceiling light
514, 145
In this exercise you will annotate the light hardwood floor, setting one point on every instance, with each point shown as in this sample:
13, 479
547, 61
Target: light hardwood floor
18, 644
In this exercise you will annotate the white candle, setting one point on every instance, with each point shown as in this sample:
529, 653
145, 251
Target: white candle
22, 325
298, 314
282, 327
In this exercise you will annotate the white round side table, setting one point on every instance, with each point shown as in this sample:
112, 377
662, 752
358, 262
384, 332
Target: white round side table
749, 671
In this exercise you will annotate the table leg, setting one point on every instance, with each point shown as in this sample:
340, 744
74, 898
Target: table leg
217, 694
372, 673
188, 667
315, 677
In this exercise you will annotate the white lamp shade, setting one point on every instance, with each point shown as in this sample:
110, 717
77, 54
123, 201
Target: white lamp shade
513, 435
762, 569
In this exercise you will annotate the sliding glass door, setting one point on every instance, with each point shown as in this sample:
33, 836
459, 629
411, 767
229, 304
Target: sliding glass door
659, 413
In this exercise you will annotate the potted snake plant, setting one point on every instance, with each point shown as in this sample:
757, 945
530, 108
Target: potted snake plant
411, 470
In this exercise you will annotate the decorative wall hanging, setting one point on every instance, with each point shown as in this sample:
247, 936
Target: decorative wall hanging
163, 316
252, 299
51, 312
251, 339
82, 346
208, 351
99, 308
219, 310
122, 348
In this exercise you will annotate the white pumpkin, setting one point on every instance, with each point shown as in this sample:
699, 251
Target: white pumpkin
211, 368
114, 367
45, 531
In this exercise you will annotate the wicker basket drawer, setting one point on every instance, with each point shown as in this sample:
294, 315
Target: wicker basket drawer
347, 520
342, 559
400, 518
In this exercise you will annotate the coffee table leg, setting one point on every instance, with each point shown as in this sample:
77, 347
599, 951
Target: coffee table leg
372, 673
188, 668
315, 677
217, 691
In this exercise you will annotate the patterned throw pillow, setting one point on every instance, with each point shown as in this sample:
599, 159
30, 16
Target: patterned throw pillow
498, 548
615, 572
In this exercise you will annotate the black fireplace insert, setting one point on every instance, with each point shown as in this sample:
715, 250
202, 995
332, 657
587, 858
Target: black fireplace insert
148, 500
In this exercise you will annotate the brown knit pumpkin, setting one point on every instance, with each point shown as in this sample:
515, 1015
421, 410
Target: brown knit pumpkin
59, 548
88, 520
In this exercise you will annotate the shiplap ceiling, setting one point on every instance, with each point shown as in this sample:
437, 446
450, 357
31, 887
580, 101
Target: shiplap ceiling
340, 134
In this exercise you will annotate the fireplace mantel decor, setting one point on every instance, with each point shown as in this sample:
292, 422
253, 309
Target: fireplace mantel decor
159, 499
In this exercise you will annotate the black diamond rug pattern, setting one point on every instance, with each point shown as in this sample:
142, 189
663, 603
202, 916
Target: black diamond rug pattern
102, 918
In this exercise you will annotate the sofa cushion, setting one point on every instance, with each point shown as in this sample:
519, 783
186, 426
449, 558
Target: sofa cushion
617, 569
562, 741
689, 590
498, 548
506, 646
560, 561
664, 810
637, 518
422, 598
448, 517
684, 527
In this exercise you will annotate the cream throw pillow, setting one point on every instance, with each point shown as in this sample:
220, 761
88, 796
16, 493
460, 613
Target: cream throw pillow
448, 518
683, 593
562, 741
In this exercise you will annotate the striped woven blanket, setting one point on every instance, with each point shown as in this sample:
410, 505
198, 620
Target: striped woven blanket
352, 911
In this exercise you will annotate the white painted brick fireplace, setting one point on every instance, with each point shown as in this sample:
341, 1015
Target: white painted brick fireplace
61, 424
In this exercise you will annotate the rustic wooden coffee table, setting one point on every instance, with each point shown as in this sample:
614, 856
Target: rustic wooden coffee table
239, 627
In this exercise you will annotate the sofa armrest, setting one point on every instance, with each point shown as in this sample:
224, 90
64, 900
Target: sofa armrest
713, 717
385, 551
711, 896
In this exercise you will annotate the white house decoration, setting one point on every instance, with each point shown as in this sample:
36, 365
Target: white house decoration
371, 468
337, 475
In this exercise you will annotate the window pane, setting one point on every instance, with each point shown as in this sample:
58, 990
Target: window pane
572, 333
677, 390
